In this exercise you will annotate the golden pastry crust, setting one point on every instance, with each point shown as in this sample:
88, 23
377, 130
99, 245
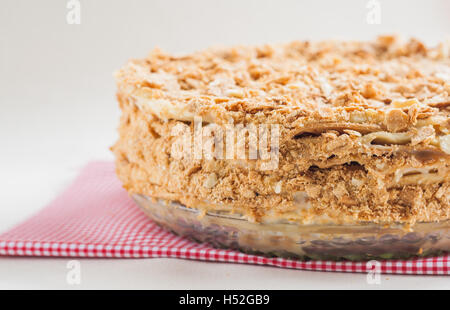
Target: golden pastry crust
364, 130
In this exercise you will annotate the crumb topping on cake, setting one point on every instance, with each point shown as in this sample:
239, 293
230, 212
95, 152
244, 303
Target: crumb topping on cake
397, 82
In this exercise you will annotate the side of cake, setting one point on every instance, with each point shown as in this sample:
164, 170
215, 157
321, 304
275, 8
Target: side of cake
346, 132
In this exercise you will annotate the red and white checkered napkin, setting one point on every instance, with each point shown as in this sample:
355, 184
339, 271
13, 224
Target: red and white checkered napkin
95, 217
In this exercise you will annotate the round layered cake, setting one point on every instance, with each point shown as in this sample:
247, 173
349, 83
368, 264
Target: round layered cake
323, 150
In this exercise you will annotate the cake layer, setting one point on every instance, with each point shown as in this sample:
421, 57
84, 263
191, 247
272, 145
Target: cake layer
332, 177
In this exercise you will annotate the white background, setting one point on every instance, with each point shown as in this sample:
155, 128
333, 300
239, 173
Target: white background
58, 111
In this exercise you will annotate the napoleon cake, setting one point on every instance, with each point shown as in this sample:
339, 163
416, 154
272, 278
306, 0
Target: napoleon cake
303, 134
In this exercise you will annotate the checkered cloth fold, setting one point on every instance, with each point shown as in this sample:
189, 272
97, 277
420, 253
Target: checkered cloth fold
95, 217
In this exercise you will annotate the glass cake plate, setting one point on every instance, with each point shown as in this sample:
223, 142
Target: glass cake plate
296, 241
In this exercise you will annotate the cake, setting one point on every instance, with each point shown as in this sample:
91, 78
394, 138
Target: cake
310, 132
306, 133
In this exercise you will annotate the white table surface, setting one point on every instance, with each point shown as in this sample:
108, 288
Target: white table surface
58, 112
